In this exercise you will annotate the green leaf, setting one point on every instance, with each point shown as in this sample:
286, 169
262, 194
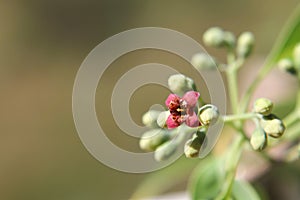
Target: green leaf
287, 39
207, 180
242, 190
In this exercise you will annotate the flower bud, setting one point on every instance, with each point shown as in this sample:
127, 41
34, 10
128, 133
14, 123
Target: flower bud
151, 139
214, 37
229, 39
193, 145
208, 114
263, 106
259, 140
296, 54
287, 65
162, 119
150, 117
245, 44
165, 151
179, 84
272, 125
202, 61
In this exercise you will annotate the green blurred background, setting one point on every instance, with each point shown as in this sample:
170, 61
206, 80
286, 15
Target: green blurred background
42, 45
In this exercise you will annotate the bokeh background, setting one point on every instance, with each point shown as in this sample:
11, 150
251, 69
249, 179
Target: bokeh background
43, 43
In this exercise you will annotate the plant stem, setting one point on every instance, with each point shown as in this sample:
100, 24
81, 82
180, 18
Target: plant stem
233, 89
232, 160
233, 156
242, 116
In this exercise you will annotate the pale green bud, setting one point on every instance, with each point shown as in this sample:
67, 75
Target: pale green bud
272, 125
162, 118
193, 145
296, 54
214, 37
151, 139
202, 61
259, 140
180, 84
229, 39
150, 117
245, 44
165, 151
208, 114
263, 106
287, 65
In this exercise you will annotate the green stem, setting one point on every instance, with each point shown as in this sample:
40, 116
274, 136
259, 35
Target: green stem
291, 118
233, 89
233, 156
232, 160
240, 117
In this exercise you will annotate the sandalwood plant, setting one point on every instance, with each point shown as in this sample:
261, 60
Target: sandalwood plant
187, 117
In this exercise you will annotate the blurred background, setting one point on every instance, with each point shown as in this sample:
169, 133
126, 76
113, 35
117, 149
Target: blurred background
42, 45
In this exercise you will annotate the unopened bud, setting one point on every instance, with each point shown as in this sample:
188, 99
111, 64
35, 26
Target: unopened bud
263, 106
150, 117
229, 39
180, 84
272, 125
208, 114
202, 61
296, 54
193, 145
214, 37
165, 151
162, 119
245, 44
287, 65
151, 139
259, 140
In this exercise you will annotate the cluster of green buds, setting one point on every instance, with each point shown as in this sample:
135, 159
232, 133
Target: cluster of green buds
269, 124
186, 117
291, 65
216, 37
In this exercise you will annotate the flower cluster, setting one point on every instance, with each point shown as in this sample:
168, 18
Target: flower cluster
187, 115
183, 116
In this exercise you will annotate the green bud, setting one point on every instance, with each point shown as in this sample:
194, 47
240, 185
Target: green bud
214, 37
151, 139
273, 126
229, 39
202, 61
193, 145
165, 151
287, 65
208, 114
296, 54
259, 140
180, 84
150, 117
263, 106
162, 118
245, 44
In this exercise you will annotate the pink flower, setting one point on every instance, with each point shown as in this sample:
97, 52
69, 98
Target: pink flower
182, 110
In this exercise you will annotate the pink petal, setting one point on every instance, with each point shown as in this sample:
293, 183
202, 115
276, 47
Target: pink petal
191, 97
171, 97
171, 123
192, 120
